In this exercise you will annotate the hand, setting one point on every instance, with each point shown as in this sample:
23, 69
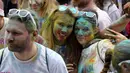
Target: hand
116, 35
127, 5
70, 68
127, 8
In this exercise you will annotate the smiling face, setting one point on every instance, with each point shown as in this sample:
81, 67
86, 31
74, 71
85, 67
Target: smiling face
36, 4
63, 27
84, 31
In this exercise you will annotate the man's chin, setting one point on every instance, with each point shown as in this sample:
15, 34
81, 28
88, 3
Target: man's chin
11, 49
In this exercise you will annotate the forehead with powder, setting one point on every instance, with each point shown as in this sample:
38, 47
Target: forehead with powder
65, 18
82, 21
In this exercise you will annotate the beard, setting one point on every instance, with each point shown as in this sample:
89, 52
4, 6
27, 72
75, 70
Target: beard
18, 46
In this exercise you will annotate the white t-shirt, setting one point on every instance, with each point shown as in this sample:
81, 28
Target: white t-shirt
91, 61
112, 10
104, 20
10, 64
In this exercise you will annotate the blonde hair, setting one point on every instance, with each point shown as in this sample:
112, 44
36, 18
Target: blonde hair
47, 8
23, 4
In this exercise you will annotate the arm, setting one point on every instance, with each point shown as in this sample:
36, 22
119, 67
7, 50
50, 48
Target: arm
120, 23
117, 26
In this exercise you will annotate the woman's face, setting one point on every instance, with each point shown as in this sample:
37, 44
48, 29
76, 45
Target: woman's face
84, 31
63, 27
36, 4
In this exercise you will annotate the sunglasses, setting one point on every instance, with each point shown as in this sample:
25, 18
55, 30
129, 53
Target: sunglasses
22, 13
126, 61
72, 9
88, 14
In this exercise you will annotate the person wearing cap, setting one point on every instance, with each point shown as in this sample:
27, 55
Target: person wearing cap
120, 57
3, 22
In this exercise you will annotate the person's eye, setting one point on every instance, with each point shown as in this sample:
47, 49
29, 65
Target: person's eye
85, 29
37, 2
61, 25
15, 33
70, 26
76, 29
8, 31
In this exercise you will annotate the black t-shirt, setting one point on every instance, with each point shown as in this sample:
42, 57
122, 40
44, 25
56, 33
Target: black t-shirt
11, 5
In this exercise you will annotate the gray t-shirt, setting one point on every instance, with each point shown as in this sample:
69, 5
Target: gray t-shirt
10, 64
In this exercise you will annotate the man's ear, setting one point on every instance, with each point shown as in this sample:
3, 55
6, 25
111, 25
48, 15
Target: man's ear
35, 33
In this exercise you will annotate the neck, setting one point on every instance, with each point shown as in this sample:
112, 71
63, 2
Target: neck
39, 13
28, 53
91, 42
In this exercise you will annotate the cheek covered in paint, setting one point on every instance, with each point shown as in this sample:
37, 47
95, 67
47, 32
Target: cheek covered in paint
59, 34
85, 38
60, 37
84, 31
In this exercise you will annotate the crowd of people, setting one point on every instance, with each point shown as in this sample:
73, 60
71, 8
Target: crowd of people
64, 36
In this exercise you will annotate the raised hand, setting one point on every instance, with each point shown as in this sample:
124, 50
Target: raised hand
118, 37
127, 5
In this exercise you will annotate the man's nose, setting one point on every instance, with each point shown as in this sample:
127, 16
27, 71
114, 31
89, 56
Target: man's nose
10, 37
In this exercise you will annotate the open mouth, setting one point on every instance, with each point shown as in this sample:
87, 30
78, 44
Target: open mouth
62, 35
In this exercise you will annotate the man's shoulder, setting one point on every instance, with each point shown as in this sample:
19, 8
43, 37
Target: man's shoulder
54, 61
52, 55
